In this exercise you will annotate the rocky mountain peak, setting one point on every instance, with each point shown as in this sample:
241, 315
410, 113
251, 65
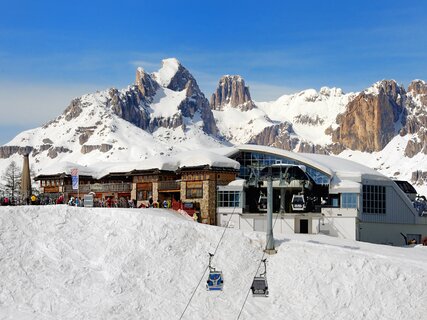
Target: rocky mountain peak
371, 118
146, 85
388, 87
418, 87
173, 75
232, 91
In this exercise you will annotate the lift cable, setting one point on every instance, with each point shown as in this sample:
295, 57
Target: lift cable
204, 271
259, 266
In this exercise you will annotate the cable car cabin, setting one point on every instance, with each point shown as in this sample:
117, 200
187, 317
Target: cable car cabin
259, 284
215, 279
259, 287
298, 203
262, 203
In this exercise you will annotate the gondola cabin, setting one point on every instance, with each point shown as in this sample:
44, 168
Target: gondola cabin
259, 287
215, 281
259, 284
298, 203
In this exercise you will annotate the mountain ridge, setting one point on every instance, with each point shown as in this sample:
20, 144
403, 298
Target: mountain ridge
165, 112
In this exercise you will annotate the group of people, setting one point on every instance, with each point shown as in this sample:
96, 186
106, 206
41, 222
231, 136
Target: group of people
5, 201
32, 200
156, 204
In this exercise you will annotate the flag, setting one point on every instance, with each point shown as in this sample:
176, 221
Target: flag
75, 178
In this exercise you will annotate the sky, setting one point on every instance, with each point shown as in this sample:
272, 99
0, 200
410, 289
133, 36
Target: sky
53, 51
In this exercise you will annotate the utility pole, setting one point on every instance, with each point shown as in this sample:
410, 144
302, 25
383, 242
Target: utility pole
269, 248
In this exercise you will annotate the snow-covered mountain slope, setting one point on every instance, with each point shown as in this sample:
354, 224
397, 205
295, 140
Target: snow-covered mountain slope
382, 126
60, 262
165, 112
311, 112
142, 120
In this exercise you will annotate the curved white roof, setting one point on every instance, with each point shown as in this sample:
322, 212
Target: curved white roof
330, 165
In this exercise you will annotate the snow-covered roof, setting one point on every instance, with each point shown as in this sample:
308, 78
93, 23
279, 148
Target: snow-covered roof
330, 165
337, 168
181, 160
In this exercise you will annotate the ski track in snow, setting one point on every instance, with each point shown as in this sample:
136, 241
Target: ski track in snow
60, 262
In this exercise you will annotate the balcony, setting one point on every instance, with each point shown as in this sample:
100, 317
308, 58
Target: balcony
171, 185
101, 187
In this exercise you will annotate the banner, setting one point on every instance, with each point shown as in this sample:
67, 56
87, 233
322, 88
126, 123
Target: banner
75, 178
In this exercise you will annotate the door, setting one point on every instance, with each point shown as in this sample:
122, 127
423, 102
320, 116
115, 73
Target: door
303, 226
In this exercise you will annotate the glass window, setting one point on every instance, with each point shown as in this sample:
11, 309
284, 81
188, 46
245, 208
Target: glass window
193, 193
374, 200
229, 199
251, 163
349, 200
143, 195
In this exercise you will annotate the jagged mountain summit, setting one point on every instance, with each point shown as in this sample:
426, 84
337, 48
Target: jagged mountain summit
166, 112
160, 113
232, 92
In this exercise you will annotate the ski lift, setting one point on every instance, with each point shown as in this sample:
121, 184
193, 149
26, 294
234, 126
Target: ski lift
215, 279
259, 284
298, 202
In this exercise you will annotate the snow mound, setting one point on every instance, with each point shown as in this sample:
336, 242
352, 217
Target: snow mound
62, 262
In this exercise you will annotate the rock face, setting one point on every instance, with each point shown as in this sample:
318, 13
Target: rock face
174, 76
370, 120
7, 151
195, 100
418, 88
283, 136
232, 91
146, 85
103, 148
416, 119
168, 99
134, 103
279, 136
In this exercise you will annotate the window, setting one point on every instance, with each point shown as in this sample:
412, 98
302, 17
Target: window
194, 190
335, 200
229, 199
374, 199
349, 200
194, 193
252, 162
143, 195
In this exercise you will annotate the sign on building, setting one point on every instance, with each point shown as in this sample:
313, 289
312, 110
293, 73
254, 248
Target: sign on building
75, 179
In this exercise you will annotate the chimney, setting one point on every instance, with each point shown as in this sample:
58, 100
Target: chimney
26, 180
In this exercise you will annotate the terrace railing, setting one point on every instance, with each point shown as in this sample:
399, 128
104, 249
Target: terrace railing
102, 187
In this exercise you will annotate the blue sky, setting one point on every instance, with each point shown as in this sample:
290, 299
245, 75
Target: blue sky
52, 51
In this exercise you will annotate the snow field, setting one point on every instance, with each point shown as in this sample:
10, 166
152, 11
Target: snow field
59, 262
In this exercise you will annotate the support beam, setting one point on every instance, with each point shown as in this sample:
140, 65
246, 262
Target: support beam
269, 248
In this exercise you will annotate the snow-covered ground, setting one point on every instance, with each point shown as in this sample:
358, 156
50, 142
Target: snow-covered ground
62, 262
